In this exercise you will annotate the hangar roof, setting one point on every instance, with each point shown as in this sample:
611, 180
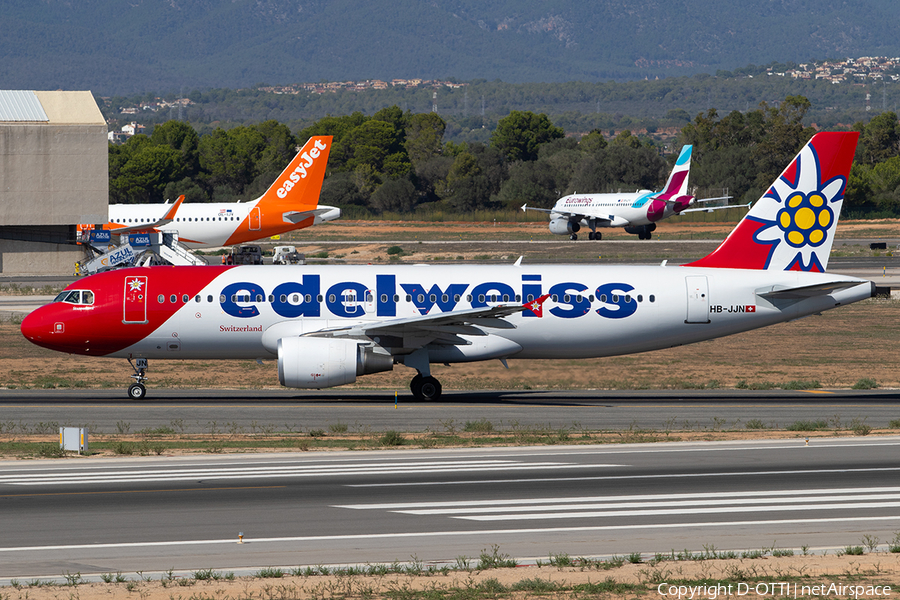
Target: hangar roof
58, 107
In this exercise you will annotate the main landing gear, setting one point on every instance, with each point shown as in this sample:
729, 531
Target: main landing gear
425, 388
137, 390
593, 234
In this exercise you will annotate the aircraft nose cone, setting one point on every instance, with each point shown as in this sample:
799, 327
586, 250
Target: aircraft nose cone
34, 326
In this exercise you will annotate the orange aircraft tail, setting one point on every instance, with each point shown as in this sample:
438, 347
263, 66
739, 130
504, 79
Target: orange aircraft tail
299, 185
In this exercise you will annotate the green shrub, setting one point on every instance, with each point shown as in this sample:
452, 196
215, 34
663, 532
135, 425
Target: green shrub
866, 383
392, 438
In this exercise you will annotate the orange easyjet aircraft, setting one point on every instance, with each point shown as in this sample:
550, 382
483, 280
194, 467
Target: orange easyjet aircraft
291, 202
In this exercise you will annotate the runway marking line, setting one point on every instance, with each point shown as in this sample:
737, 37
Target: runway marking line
423, 534
215, 489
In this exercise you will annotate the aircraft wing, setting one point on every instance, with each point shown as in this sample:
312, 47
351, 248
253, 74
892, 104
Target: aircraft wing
445, 327
569, 215
167, 218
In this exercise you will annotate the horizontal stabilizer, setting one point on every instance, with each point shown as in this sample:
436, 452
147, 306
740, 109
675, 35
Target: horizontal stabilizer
325, 213
806, 291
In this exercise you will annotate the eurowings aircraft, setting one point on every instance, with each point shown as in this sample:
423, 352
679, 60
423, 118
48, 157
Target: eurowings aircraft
291, 202
327, 325
637, 212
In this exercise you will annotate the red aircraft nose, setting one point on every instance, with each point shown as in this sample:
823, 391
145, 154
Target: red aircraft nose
39, 327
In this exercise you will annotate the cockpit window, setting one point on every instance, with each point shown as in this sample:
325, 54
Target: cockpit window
80, 297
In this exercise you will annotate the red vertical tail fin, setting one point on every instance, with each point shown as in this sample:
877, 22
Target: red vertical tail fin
791, 227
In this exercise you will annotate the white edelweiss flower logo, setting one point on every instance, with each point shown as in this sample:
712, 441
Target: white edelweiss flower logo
799, 216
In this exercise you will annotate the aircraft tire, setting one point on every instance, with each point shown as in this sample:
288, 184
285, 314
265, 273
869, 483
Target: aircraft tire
430, 389
415, 385
591, 235
598, 236
137, 391
574, 237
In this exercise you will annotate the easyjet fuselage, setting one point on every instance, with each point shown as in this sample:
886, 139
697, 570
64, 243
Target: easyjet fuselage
213, 224
241, 312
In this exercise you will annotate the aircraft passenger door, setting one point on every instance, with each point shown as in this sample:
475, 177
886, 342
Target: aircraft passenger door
135, 300
697, 300
370, 301
255, 219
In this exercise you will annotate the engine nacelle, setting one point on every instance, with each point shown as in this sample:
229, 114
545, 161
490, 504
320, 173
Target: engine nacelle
315, 363
639, 229
564, 226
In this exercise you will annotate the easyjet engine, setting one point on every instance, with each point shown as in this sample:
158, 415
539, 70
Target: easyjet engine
564, 226
314, 362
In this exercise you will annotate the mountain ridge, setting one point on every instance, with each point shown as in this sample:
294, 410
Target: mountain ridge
175, 44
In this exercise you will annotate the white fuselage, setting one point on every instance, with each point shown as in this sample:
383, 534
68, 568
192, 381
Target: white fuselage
593, 310
203, 225
612, 210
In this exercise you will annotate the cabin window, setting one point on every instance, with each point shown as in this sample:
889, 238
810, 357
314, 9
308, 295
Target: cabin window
173, 298
555, 298
432, 297
209, 298
652, 298
308, 298
384, 297
481, 297
185, 298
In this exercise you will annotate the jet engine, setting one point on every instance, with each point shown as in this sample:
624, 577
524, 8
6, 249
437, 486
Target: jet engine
315, 363
564, 226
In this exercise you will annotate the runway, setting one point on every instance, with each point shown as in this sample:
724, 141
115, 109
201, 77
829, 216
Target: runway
152, 515
252, 411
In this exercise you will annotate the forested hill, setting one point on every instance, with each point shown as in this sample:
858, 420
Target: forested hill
113, 47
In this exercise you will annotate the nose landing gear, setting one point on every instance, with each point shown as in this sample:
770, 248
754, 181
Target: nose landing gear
137, 390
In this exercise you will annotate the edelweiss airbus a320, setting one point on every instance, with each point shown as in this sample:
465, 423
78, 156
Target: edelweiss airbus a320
637, 212
291, 202
326, 325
